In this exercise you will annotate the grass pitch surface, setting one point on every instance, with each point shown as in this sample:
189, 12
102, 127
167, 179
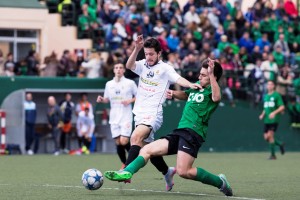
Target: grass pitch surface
251, 176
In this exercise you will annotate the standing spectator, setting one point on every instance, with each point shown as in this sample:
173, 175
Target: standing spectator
284, 80
9, 65
84, 103
32, 63
94, 66
67, 107
147, 27
290, 8
278, 56
270, 68
30, 119
85, 129
262, 42
114, 39
65, 62
273, 107
52, 66
120, 92
55, 118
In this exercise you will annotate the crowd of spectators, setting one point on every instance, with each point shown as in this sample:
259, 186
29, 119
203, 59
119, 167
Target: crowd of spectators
260, 44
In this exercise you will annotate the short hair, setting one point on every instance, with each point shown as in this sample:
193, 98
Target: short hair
153, 43
218, 70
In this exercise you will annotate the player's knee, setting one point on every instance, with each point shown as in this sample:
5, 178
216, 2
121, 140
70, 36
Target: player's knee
182, 173
146, 151
136, 140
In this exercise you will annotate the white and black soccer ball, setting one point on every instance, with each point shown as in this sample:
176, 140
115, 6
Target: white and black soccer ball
92, 179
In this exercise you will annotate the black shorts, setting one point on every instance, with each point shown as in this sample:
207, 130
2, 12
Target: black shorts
185, 140
270, 127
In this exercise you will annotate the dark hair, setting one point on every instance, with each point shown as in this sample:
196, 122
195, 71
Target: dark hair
153, 43
218, 70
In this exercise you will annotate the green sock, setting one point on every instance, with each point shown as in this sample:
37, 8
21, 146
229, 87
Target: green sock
208, 178
135, 165
272, 149
277, 142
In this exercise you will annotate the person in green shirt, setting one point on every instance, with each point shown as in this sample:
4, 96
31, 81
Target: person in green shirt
273, 106
190, 134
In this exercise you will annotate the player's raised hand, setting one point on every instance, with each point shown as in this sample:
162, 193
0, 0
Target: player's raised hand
139, 43
169, 94
211, 66
100, 99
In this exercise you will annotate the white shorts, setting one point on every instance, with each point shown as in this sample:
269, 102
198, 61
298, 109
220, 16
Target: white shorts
123, 129
155, 121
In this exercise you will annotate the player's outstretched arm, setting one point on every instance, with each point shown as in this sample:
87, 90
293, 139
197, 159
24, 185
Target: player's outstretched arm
181, 95
101, 99
185, 83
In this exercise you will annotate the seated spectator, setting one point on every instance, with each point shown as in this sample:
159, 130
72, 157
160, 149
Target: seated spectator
223, 44
213, 17
120, 26
249, 16
263, 41
246, 42
157, 16
290, 8
114, 40
173, 41
158, 28
284, 79
190, 68
279, 56
191, 16
255, 31
147, 27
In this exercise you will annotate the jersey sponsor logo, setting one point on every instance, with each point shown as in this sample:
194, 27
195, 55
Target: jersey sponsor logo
150, 74
117, 91
269, 104
196, 97
148, 82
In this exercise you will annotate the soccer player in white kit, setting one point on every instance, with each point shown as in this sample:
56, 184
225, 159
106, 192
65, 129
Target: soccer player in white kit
155, 79
120, 92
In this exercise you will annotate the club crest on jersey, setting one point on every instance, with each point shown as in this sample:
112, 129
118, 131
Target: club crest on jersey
157, 72
117, 92
150, 74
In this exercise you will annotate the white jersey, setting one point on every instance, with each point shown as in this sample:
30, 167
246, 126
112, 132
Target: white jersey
153, 83
85, 123
117, 92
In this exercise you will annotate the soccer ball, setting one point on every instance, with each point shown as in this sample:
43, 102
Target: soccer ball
92, 179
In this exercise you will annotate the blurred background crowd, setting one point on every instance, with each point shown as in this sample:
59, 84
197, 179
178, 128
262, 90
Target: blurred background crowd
259, 44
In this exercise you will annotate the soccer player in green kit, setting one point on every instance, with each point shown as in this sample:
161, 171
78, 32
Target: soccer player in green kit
190, 134
273, 106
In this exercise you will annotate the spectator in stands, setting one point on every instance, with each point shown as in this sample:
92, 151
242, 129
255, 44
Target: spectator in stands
284, 47
157, 16
84, 22
223, 44
173, 41
270, 68
284, 80
120, 92
293, 108
249, 16
120, 26
52, 65
263, 41
114, 40
32, 63
191, 16
9, 65
278, 56
290, 8
256, 82
64, 63
30, 119
67, 107
190, 68
55, 122
213, 17
147, 27
85, 129
107, 17
246, 42
94, 66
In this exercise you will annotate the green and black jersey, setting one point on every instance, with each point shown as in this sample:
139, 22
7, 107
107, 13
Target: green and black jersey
198, 110
271, 103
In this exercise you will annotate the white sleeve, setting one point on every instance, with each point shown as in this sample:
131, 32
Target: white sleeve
172, 75
88, 64
133, 88
106, 94
139, 65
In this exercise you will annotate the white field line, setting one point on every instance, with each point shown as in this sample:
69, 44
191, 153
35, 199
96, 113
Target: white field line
136, 190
